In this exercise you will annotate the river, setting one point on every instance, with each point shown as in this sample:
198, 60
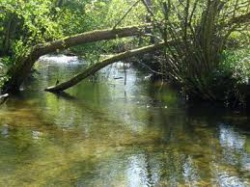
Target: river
117, 130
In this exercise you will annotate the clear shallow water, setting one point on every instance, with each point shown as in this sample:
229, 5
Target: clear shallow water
120, 131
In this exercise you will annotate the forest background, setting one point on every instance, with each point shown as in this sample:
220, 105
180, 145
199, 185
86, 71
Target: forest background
200, 46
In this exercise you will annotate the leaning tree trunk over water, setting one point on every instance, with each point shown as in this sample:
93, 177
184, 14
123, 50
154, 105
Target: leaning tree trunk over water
94, 68
19, 72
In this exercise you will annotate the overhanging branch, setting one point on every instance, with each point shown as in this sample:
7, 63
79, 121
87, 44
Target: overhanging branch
92, 36
94, 68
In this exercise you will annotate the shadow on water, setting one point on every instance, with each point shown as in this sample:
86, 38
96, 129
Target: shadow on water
118, 132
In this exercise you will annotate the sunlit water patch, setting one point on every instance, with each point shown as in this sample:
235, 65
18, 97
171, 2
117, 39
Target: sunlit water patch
61, 59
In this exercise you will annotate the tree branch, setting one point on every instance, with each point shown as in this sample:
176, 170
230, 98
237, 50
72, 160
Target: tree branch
18, 73
94, 68
239, 20
92, 36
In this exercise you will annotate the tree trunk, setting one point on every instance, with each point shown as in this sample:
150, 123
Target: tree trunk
94, 68
92, 36
10, 28
19, 72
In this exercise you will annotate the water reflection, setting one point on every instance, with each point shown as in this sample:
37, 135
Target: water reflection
231, 139
108, 133
137, 171
225, 179
60, 59
5, 130
190, 172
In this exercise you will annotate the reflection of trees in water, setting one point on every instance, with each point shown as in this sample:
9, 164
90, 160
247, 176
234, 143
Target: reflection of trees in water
190, 172
234, 156
138, 172
223, 178
170, 165
230, 139
232, 144
166, 164
52, 69
164, 169
196, 152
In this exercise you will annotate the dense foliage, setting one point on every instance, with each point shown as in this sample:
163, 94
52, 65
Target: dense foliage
199, 36
206, 50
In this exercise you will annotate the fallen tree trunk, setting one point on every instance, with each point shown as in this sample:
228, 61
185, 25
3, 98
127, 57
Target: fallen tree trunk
92, 36
19, 72
94, 68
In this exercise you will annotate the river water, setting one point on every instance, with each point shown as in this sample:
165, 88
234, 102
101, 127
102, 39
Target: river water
117, 130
